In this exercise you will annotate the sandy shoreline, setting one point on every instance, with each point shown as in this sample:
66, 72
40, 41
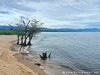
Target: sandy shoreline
9, 65
11, 61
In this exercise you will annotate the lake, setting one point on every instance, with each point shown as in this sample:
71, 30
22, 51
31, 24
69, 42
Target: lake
78, 49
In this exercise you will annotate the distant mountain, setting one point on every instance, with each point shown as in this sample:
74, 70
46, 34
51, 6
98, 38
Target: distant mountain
69, 30
4, 27
7, 27
56, 29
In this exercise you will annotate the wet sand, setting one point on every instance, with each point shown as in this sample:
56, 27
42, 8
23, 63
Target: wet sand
11, 62
8, 63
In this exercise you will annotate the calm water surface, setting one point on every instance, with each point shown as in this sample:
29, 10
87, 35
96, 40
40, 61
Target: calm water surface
80, 49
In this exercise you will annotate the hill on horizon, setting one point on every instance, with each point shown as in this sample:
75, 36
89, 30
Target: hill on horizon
5, 27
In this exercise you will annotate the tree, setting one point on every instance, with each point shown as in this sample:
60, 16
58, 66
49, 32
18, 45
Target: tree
33, 30
29, 28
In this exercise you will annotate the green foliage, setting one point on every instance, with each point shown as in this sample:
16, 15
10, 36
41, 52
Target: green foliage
8, 32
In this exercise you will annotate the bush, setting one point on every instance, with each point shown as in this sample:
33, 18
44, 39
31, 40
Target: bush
7, 32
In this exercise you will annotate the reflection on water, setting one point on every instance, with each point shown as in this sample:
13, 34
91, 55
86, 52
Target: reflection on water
80, 49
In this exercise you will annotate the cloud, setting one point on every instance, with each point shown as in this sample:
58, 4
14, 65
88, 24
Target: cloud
54, 13
16, 4
5, 12
93, 24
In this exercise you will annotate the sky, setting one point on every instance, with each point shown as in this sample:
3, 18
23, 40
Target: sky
53, 13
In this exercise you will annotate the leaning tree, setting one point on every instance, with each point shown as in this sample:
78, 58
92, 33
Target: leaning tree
27, 29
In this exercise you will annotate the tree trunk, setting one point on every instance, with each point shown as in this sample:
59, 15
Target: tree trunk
25, 36
30, 38
21, 40
29, 42
17, 39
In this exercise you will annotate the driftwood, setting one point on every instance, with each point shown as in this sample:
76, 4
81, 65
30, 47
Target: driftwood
38, 64
44, 56
49, 56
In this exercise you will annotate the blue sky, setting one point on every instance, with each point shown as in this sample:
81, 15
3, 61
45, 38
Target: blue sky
53, 13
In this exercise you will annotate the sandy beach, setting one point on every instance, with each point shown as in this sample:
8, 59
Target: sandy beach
9, 65
13, 63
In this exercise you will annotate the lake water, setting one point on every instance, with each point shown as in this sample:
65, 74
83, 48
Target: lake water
79, 49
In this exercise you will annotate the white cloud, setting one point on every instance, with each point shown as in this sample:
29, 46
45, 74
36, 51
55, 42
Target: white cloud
54, 13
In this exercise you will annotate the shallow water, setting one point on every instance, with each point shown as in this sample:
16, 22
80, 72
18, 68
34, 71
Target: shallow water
79, 49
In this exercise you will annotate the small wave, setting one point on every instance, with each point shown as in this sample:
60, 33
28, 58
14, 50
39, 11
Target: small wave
65, 66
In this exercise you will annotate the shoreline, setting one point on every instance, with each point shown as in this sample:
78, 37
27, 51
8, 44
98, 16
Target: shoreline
27, 60
25, 65
55, 68
9, 65
47, 68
